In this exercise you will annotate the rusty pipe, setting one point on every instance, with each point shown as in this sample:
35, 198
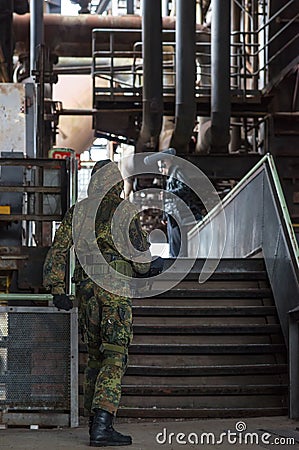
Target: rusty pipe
71, 35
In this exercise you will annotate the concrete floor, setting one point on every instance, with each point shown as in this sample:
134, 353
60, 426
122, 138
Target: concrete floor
265, 429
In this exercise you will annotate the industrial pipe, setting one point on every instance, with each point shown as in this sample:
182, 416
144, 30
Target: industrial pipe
36, 32
37, 63
185, 109
152, 92
130, 6
71, 35
165, 8
220, 76
23, 297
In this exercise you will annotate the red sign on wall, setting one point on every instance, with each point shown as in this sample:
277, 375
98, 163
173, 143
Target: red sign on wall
63, 154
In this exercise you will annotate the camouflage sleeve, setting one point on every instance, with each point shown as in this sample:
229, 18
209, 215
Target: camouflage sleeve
56, 260
139, 240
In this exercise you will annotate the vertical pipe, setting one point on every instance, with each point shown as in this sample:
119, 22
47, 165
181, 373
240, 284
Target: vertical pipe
130, 6
220, 76
111, 43
152, 76
37, 63
6, 41
37, 60
165, 8
36, 30
185, 109
74, 369
255, 66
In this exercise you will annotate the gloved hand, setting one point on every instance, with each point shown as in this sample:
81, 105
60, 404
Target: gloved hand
157, 265
62, 301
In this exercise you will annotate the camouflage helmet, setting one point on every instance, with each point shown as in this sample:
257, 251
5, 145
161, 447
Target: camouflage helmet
99, 164
102, 181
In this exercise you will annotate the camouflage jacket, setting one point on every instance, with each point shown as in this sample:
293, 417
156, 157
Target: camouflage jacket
97, 223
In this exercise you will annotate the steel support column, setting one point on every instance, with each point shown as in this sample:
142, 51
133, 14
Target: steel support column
220, 76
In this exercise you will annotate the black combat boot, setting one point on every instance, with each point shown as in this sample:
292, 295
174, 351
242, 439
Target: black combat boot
103, 434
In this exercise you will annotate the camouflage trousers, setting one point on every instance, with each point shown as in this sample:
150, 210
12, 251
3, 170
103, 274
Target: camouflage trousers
105, 321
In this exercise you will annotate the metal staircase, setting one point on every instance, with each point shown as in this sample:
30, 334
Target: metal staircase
219, 349
211, 350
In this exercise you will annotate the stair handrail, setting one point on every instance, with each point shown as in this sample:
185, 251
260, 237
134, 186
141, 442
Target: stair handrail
284, 207
254, 43
277, 242
266, 159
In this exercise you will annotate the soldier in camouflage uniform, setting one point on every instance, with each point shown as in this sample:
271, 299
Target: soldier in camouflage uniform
105, 319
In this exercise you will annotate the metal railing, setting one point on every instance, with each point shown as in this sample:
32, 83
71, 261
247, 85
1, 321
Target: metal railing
257, 220
36, 186
120, 72
254, 39
44, 194
123, 70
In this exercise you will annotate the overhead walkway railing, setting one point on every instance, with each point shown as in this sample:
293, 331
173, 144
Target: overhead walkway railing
252, 43
257, 221
118, 71
117, 65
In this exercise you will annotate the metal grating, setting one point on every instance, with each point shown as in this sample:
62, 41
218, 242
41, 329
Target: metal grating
35, 359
